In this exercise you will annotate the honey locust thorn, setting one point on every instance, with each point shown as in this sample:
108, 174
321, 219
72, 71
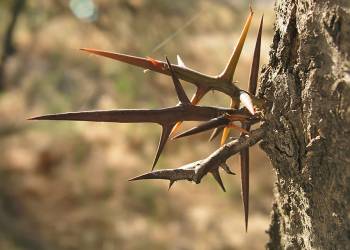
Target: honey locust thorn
217, 118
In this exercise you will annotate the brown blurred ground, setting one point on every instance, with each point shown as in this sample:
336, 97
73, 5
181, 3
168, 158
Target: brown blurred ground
64, 184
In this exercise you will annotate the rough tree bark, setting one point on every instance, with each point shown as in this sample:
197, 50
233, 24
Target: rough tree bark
307, 82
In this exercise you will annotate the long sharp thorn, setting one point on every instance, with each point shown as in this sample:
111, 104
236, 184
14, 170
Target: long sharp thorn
185, 172
146, 63
120, 116
217, 177
245, 98
200, 92
244, 156
178, 87
254, 71
230, 68
215, 133
180, 62
213, 123
147, 176
183, 73
227, 168
163, 139
155, 175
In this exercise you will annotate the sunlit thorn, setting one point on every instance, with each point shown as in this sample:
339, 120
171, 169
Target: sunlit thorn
225, 135
230, 68
226, 132
217, 177
180, 62
246, 100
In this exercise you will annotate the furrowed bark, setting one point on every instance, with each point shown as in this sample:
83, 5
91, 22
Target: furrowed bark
307, 83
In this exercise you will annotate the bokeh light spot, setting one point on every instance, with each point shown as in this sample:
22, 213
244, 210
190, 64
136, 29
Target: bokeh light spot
84, 9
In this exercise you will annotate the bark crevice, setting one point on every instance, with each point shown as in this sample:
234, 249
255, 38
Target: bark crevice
307, 84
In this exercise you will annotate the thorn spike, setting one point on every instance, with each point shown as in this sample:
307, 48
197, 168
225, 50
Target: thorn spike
227, 168
246, 100
178, 87
230, 68
217, 177
244, 156
147, 176
254, 71
170, 184
180, 62
145, 63
163, 139
225, 135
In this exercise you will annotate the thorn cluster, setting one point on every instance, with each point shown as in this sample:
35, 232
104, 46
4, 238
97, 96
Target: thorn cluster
217, 118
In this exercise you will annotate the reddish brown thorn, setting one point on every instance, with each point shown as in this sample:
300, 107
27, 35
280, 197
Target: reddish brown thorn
154, 62
200, 80
245, 183
244, 155
217, 177
230, 68
146, 63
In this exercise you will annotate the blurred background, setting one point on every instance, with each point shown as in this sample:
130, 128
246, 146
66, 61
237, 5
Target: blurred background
63, 185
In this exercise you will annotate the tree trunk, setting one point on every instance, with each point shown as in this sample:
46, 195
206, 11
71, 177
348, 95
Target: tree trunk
307, 82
